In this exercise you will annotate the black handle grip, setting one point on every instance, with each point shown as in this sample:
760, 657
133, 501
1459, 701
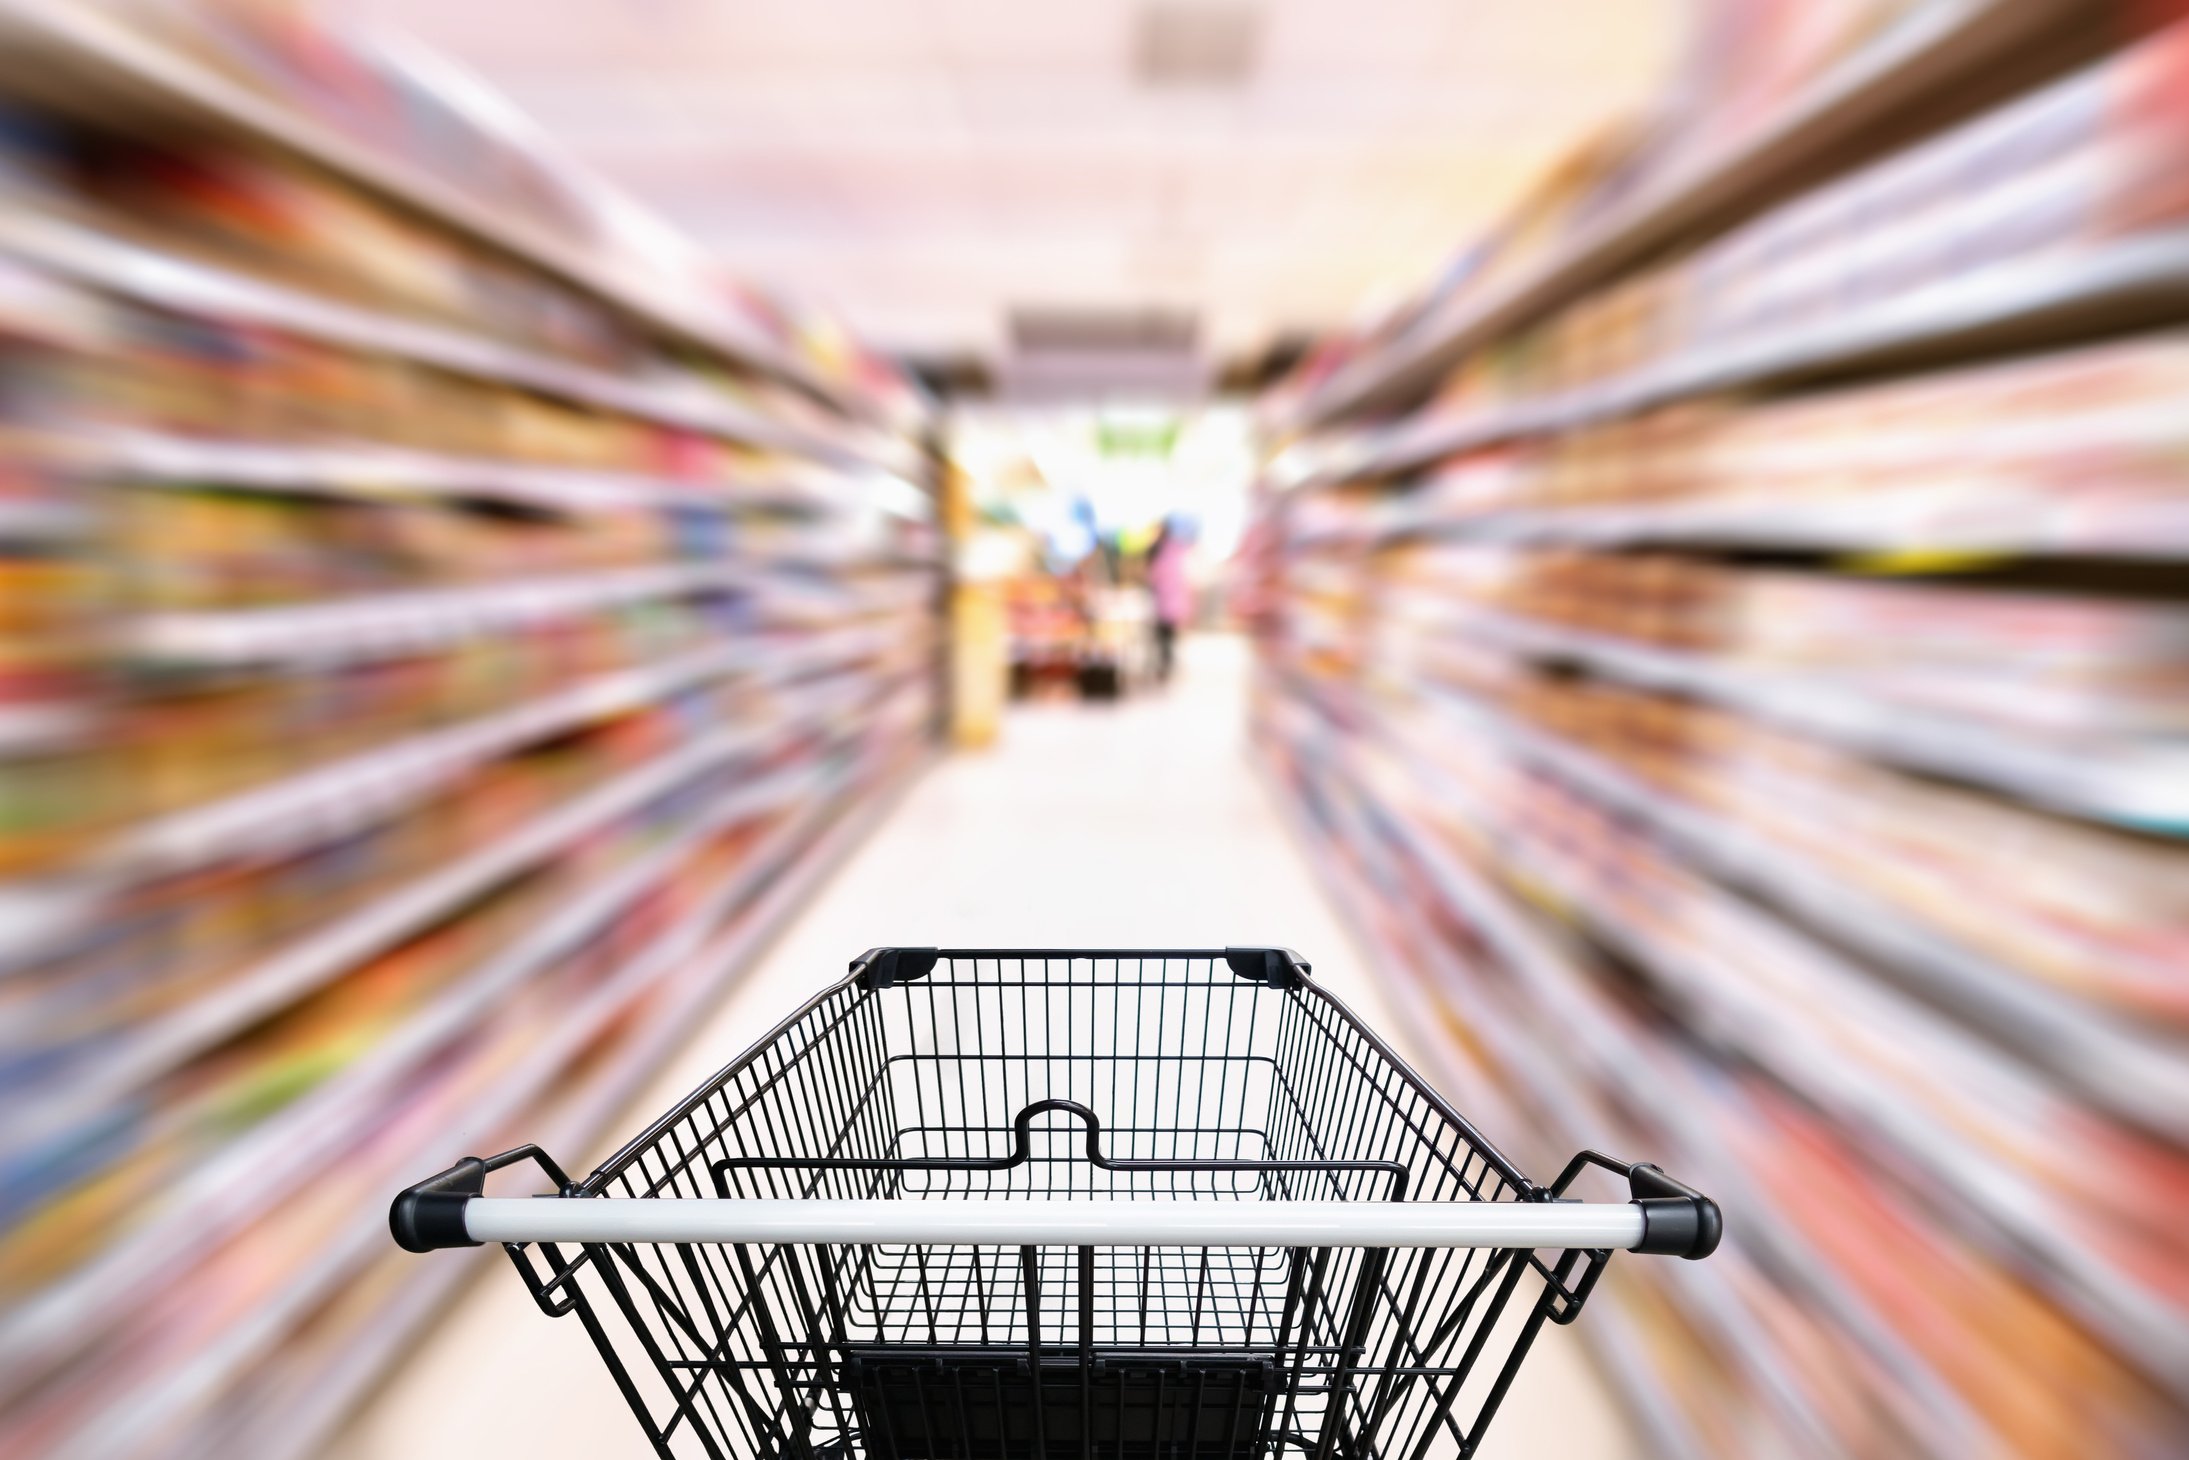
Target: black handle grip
1677, 1220
882, 968
430, 1215
1277, 968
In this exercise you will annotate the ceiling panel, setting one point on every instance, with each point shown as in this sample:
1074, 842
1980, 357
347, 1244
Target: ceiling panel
924, 166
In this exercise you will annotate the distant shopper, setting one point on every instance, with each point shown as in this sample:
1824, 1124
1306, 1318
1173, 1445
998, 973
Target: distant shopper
1173, 594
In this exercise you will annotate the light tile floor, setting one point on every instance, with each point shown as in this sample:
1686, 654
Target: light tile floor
1139, 824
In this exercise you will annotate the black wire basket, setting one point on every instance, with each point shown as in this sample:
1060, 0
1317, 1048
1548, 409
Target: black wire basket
985, 1205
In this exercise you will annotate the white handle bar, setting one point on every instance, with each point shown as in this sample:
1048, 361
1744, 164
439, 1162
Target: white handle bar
1061, 1223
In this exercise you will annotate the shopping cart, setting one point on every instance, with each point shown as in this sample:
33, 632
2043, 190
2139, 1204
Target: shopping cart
1062, 1205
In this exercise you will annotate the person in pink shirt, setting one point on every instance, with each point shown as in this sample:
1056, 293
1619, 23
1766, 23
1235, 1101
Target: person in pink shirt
1173, 594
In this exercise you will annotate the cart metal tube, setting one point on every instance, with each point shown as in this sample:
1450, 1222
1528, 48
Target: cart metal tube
1061, 1223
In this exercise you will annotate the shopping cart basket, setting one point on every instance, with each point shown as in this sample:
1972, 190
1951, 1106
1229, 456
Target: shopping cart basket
989, 1204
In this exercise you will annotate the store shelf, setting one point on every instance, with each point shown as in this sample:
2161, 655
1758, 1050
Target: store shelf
198, 1212
349, 988
2125, 1065
412, 622
294, 1434
374, 473
1590, 1045
185, 286
2065, 525
2046, 299
37, 729
329, 800
1973, 496
288, 974
1580, 1121
103, 56
2029, 1227
1710, 1297
781, 868
39, 309
24, 520
2025, 1222
229, 1190
1624, 1363
1764, 955
2142, 784
1932, 48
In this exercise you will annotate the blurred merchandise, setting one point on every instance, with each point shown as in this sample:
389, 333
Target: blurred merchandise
2068, 452
2054, 195
1746, 700
2067, 176
431, 665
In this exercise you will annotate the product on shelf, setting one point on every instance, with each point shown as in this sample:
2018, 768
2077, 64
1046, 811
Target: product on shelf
2069, 452
2044, 662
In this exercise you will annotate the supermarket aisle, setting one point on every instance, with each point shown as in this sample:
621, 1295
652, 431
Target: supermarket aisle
1140, 824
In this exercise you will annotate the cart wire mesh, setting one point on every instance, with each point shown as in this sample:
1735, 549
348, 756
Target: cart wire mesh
1145, 1076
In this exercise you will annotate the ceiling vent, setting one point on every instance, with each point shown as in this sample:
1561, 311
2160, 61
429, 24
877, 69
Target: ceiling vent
1124, 330
1103, 354
1195, 43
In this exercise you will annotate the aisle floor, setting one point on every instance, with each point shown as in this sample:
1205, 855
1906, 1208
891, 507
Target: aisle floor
1141, 824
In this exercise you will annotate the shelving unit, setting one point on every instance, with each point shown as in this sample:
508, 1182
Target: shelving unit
166, 282
2155, 530
331, 1391
1365, 858
2125, 780
379, 474
1684, 822
99, 61
2139, 1076
2020, 303
412, 724
1929, 50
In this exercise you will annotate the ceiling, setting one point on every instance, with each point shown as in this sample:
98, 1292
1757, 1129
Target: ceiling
926, 167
